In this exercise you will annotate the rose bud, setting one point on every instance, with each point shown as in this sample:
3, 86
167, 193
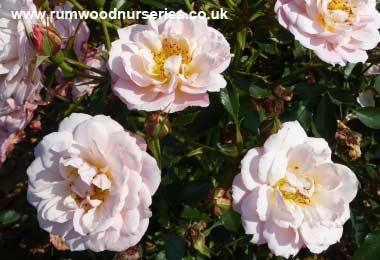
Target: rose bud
221, 201
35, 125
53, 44
283, 93
157, 125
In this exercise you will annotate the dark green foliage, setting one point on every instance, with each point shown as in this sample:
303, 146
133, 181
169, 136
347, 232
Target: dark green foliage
205, 145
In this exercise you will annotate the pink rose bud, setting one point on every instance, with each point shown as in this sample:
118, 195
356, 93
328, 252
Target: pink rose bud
35, 125
157, 125
221, 201
39, 37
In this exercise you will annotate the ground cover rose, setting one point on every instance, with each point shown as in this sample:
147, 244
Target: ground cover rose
19, 79
338, 31
92, 183
169, 64
291, 195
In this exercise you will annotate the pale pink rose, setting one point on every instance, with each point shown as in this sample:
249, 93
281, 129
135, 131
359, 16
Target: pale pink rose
169, 64
13, 119
18, 77
338, 31
7, 143
291, 195
92, 184
72, 28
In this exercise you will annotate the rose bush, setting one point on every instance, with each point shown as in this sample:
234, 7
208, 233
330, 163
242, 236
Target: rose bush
257, 127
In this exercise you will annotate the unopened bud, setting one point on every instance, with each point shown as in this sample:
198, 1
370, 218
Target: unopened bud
310, 79
35, 125
157, 126
45, 40
283, 93
221, 201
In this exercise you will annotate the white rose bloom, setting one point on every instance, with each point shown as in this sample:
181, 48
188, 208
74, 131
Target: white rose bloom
291, 195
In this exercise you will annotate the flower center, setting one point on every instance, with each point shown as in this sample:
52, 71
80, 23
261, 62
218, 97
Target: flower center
89, 181
170, 47
339, 5
339, 12
297, 191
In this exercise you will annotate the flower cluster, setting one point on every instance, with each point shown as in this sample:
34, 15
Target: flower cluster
92, 181
19, 77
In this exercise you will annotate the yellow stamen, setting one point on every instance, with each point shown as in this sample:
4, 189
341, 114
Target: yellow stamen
291, 193
170, 47
339, 5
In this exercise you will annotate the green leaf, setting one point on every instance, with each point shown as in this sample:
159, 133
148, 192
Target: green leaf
239, 46
202, 248
194, 191
174, 247
309, 93
230, 150
339, 97
241, 38
194, 214
231, 221
300, 113
9, 217
377, 84
230, 100
359, 225
163, 213
185, 119
370, 249
250, 120
117, 4
369, 116
47, 45
258, 92
154, 3
325, 119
